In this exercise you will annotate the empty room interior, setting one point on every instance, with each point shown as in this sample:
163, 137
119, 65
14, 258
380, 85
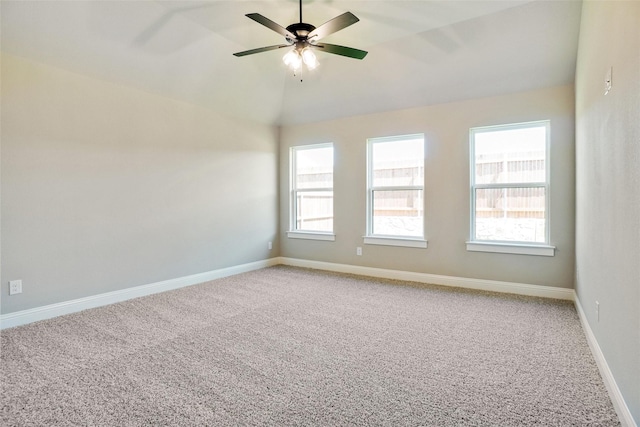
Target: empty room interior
320, 213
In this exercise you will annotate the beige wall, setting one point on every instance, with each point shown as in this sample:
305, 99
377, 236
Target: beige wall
446, 129
608, 186
105, 187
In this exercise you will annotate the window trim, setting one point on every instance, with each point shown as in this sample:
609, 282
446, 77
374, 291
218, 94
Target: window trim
393, 240
511, 248
502, 246
311, 235
293, 232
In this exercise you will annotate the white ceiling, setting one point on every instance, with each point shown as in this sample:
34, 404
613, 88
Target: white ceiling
420, 52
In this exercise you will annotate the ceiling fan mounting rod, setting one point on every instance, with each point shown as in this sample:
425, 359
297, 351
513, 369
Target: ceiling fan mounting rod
301, 11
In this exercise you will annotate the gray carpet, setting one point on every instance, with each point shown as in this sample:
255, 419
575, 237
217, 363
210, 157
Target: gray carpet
286, 346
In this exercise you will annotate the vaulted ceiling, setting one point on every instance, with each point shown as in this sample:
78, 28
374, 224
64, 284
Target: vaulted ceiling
420, 52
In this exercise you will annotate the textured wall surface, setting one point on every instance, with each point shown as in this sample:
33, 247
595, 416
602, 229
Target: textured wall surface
608, 186
105, 187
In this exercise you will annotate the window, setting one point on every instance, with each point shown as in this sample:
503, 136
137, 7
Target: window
395, 196
510, 189
312, 192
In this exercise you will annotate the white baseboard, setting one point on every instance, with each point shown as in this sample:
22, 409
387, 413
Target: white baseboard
626, 419
46, 312
67, 307
435, 279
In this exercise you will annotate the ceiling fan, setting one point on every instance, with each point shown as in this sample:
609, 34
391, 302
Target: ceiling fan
304, 39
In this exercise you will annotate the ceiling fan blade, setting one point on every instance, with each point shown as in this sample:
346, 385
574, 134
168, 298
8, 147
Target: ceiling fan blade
260, 49
271, 25
340, 50
330, 27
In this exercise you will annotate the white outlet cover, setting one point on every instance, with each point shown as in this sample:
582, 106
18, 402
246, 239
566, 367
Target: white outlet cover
15, 287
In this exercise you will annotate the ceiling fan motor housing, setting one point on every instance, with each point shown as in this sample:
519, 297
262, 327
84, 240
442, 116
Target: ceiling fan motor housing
301, 30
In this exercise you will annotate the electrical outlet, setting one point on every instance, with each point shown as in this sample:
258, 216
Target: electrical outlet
597, 311
270, 245
15, 287
359, 251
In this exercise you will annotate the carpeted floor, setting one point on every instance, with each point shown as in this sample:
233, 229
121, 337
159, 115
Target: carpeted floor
285, 346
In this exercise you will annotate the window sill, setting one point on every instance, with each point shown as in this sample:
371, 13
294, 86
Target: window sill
512, 248
310, 235
395, 241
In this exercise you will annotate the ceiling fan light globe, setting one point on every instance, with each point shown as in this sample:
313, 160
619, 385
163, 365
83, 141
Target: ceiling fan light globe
309, 58
293, 60
296, 65
288, 57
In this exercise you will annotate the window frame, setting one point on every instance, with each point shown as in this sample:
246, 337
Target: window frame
293, 232
511, 246
393, 240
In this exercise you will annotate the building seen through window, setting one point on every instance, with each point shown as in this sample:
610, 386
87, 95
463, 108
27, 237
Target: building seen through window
312, 188
396, 186
510, 187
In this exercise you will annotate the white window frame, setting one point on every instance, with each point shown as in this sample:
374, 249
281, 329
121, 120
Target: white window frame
511, 247
293, 233
392, 240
